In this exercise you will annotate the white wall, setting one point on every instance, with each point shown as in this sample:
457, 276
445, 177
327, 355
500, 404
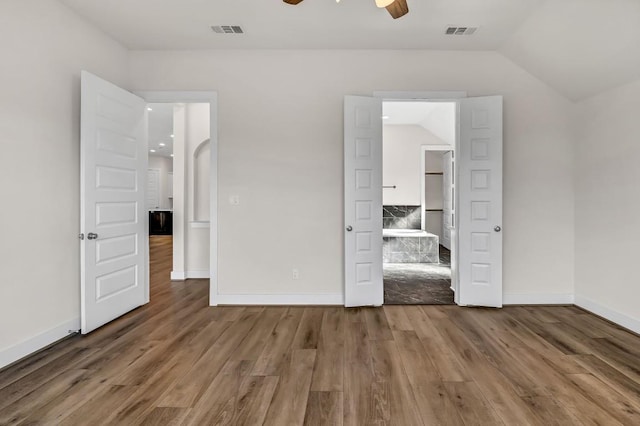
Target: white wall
607, 224
280, 115
165, 166
198, 152
44, 47
401, 164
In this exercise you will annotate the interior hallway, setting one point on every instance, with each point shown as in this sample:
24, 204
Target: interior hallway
178, 361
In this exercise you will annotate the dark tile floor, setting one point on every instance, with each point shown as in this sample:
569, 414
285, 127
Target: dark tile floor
419, 283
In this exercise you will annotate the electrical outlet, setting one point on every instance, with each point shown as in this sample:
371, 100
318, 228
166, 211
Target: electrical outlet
295, 274
234, 200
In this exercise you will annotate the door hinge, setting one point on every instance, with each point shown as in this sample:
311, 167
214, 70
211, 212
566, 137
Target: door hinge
81, 236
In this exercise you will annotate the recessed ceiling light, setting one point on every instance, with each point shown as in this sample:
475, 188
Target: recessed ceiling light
172, 155
149, 109
162, 144
385, 117
172, 135
152, 150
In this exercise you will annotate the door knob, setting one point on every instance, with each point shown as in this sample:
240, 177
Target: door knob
92, 236
349, 228
497, 228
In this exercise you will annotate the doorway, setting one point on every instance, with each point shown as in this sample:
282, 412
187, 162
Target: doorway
419, 139
114, 205
178, 191
476, 236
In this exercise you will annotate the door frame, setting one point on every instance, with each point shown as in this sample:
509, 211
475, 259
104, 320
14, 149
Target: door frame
434, 96
210, 97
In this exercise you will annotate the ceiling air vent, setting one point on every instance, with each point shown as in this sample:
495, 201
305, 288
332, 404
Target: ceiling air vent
227, 29
460, 30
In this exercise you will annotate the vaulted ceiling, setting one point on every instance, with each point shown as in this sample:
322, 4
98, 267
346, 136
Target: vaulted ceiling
579, 47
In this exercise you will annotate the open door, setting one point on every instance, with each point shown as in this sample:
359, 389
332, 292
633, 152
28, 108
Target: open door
479, 207
363, 201
114, 276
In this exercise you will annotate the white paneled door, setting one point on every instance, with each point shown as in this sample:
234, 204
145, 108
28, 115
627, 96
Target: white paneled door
114, 276
479, 209
363, 201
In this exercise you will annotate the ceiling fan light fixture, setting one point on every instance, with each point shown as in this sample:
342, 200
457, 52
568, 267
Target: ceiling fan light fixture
383, 3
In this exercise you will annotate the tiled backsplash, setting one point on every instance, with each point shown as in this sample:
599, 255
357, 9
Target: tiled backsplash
401, 217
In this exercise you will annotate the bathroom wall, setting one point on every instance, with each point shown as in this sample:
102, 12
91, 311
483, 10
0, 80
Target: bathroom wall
401, 217
401, 162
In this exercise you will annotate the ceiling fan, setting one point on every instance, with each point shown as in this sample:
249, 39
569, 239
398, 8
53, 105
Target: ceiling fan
396, 8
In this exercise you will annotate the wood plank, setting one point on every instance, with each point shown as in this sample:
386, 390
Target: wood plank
22, 408
188, 389
397, 318
274, 354
100, 406
290, 399
218, 404
329, 365
470, 404
622, 408
358, 376
393, 394
377, 324
165, 416
308, 332
324, 409
179, 361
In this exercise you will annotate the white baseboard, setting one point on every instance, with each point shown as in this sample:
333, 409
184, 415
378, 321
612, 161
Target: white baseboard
35, 343
623, 320
279, 299
188, 275
197, 274
178, 276
538, 299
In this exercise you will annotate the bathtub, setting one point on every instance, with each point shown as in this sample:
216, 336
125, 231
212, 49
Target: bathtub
410, 246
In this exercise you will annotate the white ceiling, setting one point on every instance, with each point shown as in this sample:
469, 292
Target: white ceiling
579, 47
350, 24
161, 129
436, 117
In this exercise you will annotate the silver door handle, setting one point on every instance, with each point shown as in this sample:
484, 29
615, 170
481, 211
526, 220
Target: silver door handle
497, 228
92, 236
349, 228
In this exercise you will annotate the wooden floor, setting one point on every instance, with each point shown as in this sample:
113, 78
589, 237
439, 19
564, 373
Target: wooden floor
178, 361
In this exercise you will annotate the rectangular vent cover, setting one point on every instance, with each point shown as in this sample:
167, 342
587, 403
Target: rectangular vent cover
460, 30
227, 29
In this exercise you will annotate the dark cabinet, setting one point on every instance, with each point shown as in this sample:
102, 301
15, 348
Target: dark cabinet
160, 223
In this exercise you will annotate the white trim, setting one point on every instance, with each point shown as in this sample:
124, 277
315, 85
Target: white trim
212, 98
538, 299
623, 320
189, 275
200, 224
281, 299
38, 342
201, 274
178, 276
423, 184
419, 95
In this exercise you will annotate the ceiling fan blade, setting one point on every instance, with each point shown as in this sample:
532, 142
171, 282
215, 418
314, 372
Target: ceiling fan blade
292, 1
398, 8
